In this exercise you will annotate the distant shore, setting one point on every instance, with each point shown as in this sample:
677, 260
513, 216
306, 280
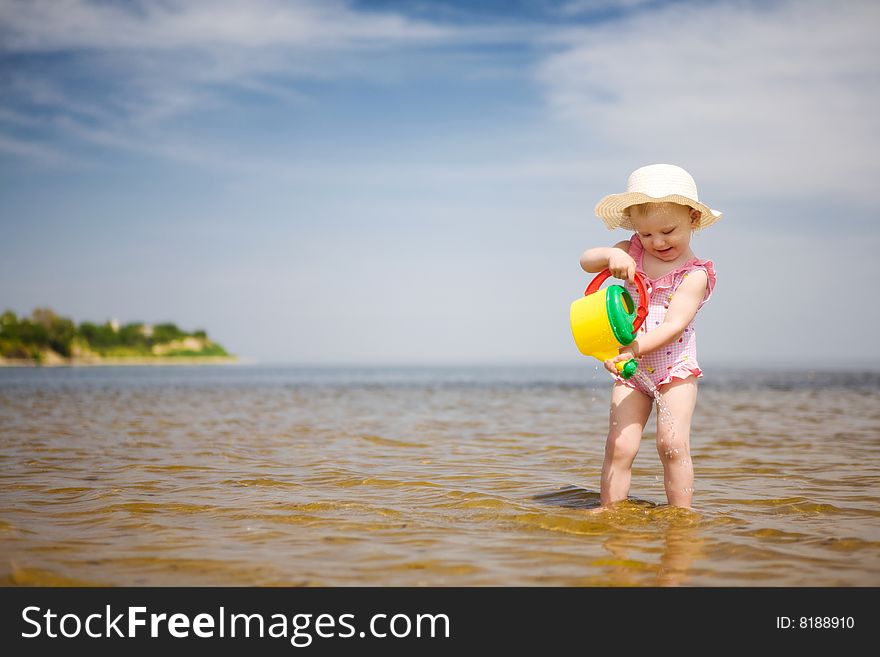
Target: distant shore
91, 362
47, 340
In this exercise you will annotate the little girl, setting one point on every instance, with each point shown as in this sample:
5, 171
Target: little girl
662, 207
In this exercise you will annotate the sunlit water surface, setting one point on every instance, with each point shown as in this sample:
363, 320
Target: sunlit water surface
257, 475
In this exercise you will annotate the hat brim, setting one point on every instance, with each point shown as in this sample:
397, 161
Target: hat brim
611, 208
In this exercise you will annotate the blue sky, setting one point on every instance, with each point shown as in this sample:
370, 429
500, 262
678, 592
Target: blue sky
413, 182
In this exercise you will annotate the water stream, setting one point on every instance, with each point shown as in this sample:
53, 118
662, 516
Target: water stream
664, 416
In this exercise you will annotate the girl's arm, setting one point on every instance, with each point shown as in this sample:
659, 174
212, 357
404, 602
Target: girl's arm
680, 313
616, 258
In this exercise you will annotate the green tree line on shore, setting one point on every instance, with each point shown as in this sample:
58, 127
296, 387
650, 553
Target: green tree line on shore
31, 337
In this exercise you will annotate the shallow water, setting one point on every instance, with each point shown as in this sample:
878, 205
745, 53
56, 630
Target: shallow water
249, 475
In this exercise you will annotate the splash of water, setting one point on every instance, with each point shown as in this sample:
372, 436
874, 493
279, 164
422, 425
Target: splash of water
665, 416
663, 412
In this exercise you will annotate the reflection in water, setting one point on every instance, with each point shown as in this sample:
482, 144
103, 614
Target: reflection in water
684, 546
636, 530
285, 476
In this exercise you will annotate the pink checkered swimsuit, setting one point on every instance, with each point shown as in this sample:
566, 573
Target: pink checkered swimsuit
678, 359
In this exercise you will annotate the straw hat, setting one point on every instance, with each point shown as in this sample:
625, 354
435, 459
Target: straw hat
654, 183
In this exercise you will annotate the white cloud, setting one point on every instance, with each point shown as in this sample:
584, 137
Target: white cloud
588, 7
774, 99
152, 60
33, 151
763, 100
53, 25
127, 68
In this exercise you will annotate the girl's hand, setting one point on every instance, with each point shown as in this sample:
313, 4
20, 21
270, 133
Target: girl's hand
625, 354
621, 265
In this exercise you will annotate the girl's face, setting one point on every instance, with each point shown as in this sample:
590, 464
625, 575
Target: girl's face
664, 228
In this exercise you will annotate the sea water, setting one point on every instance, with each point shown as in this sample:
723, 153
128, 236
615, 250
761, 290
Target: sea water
443, 476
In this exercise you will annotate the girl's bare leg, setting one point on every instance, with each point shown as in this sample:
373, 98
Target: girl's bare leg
629, 413
674, 440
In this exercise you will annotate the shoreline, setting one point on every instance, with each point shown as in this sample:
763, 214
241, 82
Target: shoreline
122, 361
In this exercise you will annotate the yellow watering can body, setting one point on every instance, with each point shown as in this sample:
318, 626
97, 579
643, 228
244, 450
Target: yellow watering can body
604, 320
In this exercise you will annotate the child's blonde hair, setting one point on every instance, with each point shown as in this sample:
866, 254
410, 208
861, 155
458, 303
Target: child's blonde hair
643, 206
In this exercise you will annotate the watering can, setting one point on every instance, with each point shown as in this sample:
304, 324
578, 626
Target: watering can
604, 320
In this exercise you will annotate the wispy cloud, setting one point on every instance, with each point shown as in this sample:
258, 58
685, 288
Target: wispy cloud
117, 73
771, 99
158, 60
600, 7
779, 98
59, 25
33, 151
